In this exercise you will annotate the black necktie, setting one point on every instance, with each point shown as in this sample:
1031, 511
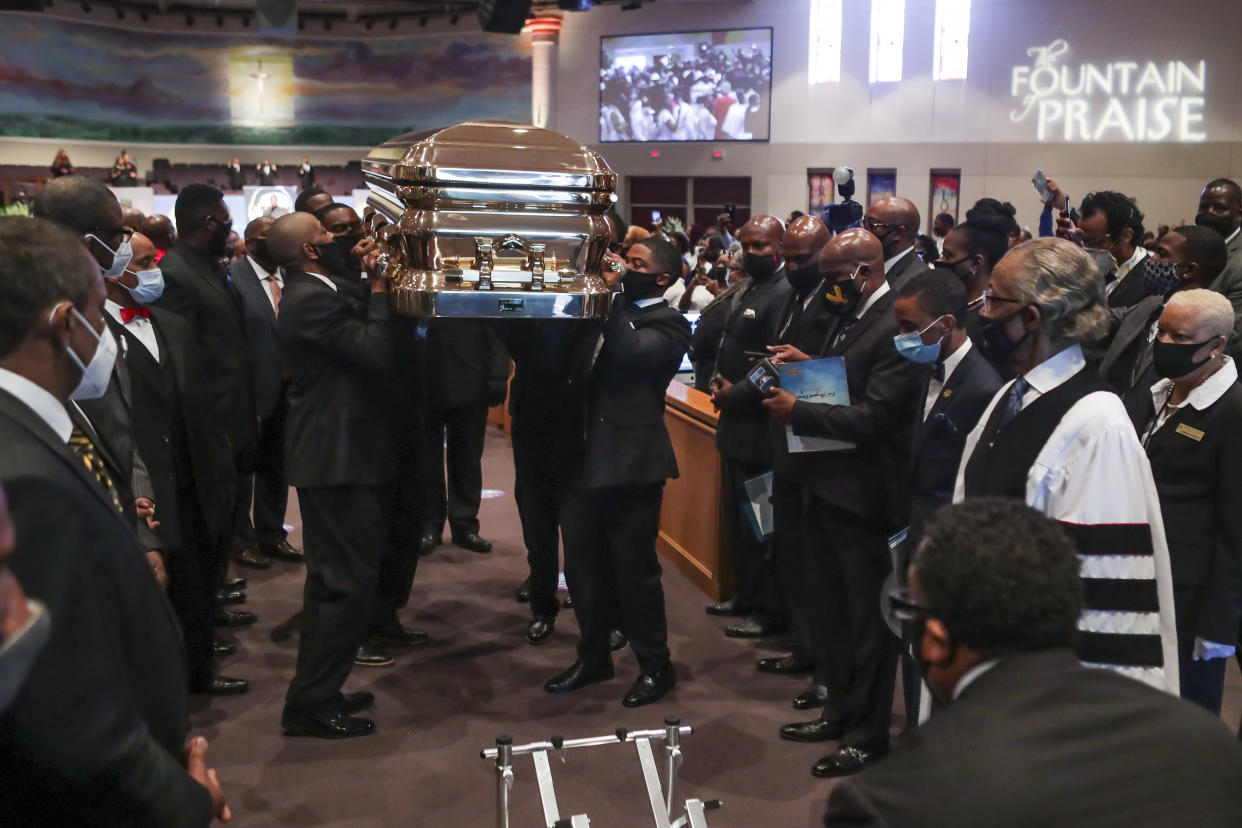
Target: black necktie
843, 327
84, 450
939, 372
1012, 403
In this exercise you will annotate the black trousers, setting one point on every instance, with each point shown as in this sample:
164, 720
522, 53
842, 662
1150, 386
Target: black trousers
344, 528
616, 527
271, 488
757, 592
192, 572
793, 553
1202, 682
463, 428
538, 487
243, 528
860, 651
399, 561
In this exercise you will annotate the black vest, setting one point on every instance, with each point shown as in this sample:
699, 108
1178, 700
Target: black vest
1003, 458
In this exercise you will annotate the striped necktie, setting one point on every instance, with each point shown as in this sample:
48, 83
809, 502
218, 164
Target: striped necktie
84, 450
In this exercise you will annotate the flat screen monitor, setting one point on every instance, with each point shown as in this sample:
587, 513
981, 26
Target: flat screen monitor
687, 86
693, 318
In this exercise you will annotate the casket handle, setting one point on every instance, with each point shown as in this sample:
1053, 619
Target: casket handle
483, 262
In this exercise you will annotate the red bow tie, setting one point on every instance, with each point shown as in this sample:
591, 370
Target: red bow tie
128, 315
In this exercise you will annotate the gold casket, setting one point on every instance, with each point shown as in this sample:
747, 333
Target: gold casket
490, 219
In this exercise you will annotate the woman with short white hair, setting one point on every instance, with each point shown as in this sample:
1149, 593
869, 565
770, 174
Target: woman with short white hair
1058, 439
1190, 430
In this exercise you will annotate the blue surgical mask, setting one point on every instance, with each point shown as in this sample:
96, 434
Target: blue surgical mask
150, 285
120, 257
910, 346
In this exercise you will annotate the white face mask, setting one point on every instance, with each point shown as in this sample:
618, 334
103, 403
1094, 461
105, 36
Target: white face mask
96, 375
150, 285
120, 257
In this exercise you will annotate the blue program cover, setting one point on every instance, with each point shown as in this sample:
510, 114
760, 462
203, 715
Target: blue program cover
817, 381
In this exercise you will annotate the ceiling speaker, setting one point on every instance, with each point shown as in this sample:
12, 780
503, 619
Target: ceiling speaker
506, 16
276, 16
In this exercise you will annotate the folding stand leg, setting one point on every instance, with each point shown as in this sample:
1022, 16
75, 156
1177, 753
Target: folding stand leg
651, 775
504, 778
547, 793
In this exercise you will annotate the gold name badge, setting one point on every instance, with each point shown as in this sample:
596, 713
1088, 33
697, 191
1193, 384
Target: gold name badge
1190, 431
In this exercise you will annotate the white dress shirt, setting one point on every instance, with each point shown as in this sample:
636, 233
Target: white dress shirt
1124, 268
323, 279
872, 299
1093, 471
40, 401
265, 279
139, 326
1233, 235
888, 263
935, 386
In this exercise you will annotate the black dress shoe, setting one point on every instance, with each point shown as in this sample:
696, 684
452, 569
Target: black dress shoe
371, 654
814, 731
814, 696
617, 641
427, 544
651, 688
579, 675
283, 551
845, 761
234, 584
539, 629
726, 609
326, 726
472, 541
224, 686
352, 703
234, 618
750, 628
783, 666
399, 634
251, 557
523, 592
226, 597
219, 648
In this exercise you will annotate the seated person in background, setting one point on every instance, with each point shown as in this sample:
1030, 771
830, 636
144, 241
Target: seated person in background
61, 165
695, 294
1028, 736
1189, 427
123, 172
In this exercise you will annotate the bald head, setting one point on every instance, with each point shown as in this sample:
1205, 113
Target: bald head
256, 242
853, 256
895, 222
132, 217
159, 229
289, 237
803, 242
258, 228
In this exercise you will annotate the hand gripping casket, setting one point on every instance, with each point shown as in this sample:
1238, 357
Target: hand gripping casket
488, 219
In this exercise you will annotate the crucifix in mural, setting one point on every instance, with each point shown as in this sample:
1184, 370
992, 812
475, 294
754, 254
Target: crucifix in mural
261, 90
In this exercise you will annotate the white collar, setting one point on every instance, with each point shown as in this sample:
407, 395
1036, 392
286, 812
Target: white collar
114, 310
323, 279
648, 302
1056, 369
1233, 235
1204, 395
888, 263
1140, 253
968, 678
871, 300
954, 359
39, 400
260, 270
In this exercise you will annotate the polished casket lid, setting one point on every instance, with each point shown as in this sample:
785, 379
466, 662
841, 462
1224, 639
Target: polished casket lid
490, 154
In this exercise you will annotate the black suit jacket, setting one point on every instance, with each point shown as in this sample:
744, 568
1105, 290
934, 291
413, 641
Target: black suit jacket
197, 288
752, 324
1131, 291
262, 340
338, 351
626, 442
1039, 740
905, 269
96, 733
939, 440
868, 481
461, 363
546, 353
1126, 364
808, 333
1196, 459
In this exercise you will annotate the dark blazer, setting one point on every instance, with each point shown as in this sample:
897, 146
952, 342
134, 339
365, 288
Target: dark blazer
1229, 283
95, 736
1131, 291
262, 341
1126, 364
1196, 459
1040, 740
939, 440
197, 287
626, 440
338, 352
752, 324
545, 353
905, 269
462, 363
868, 481
808, 333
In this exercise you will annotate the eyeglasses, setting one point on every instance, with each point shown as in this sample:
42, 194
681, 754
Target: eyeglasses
904, 607
126, 233
870, 225
991, 300
1096, 242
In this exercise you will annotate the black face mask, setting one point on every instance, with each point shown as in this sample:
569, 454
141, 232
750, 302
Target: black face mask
995, 344
346, 245
331, 259
1160, 278
843, 297
760, 267
1173, 360
718, 274
636, 285
804, 278
1221, 224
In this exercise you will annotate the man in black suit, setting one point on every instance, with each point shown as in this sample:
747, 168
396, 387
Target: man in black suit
953, 393
611, 513
1028, 736
267, 173
895, 222
237, 176
97, 732
1220, 209
856, 500
197, 287
337, 350
754, 318
259, 283
306, 174
1111, 221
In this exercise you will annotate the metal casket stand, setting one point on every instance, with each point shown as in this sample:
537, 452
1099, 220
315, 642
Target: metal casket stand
662, 801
